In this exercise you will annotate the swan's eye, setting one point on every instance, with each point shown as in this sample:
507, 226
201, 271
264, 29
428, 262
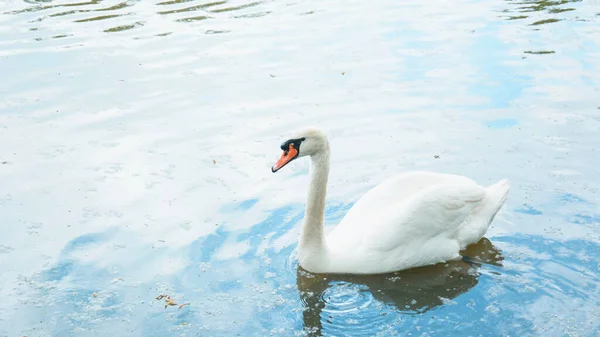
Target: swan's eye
295, 143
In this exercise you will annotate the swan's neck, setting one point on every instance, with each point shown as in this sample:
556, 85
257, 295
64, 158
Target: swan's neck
312, 236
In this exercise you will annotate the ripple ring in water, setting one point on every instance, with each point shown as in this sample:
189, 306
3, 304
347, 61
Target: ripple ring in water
350, 304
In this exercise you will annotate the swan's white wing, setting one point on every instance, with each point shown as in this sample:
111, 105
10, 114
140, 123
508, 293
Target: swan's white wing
391, 196
436, 212
410, 220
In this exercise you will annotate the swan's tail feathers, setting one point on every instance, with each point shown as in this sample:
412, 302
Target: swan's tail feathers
497, 194
499, 191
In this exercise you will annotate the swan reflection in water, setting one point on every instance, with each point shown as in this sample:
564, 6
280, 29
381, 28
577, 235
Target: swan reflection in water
410, 291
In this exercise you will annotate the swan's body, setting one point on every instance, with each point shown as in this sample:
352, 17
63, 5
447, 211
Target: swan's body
410, 220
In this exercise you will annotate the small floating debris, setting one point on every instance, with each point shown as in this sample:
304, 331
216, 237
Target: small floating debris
539, 52
214, 161
436, 156
170, 301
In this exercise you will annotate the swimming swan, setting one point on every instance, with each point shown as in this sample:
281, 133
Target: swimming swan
409, 220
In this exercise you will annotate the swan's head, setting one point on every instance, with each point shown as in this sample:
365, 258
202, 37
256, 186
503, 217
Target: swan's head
307, 142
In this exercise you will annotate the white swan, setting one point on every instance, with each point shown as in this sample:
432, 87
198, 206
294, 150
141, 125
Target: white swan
409, 220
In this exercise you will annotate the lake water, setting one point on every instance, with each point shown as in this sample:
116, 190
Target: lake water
136, 140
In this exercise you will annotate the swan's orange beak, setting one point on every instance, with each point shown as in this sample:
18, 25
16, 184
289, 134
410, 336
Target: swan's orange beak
287, 156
